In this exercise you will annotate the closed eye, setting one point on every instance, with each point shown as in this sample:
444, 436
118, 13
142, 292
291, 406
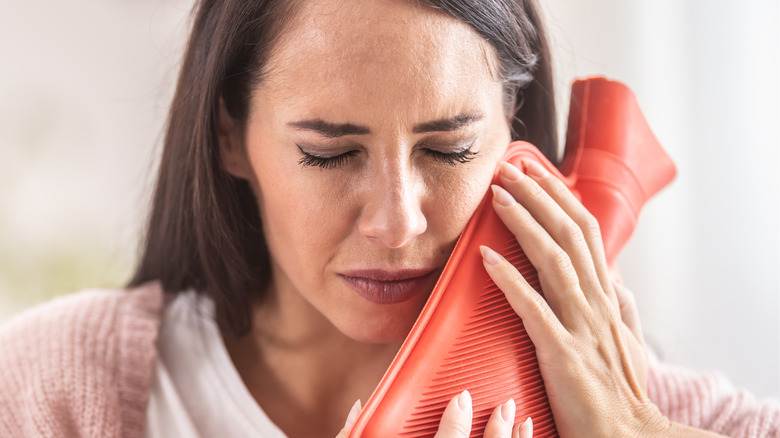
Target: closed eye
308, 159
461, 156
453, 158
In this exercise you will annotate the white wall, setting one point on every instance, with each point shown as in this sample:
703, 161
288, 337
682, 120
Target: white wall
85, 84
704, 260
84, 89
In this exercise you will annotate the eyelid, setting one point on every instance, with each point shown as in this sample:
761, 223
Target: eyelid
446, 146
328, 152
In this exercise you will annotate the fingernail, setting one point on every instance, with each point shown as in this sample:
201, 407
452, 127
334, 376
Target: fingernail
508, 411
353, 415
502, 196
527, 429
534, 169
489, 256
464, 401
510, 172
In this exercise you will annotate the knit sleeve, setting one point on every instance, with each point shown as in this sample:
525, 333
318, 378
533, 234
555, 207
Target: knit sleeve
79, 365
710, 402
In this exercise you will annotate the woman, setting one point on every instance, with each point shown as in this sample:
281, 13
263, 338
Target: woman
321, 159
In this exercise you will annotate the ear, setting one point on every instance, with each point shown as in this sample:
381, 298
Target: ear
231, 146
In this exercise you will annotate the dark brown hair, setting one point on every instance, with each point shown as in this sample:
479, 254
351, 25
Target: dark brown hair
204, 230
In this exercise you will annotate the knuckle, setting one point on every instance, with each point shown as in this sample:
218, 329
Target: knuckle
524, 218
460, 430
453, 431
560, 264
535, 191
559, 189
559, 261
568, 341
572, 232
516, 281
590, 226
606, 308
541, 308
624, 295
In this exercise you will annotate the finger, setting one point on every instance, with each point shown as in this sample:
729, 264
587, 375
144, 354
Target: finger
589, 231
543, 327
456, 420
351, 418
525, 430
501, 420
628, 310
552, 204
615, 274
557, 210
556, 272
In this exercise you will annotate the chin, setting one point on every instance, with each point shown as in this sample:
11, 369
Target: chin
367, 321
379, 330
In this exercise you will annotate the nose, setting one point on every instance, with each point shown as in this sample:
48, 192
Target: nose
392, 214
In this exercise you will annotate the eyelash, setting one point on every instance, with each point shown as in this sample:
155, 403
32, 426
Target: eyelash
451, 158
324, 162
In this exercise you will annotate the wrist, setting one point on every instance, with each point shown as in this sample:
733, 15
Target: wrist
678, 430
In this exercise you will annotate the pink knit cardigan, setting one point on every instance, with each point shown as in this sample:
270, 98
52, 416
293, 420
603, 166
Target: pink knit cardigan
81, 366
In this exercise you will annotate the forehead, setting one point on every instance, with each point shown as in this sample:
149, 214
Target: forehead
378, 50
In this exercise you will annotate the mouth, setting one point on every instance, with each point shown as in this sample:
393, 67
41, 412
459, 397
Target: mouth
389, 287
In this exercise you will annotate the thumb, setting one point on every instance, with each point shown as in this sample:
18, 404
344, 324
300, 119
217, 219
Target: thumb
456, 420
351, 418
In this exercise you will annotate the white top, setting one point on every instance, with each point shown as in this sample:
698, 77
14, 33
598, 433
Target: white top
196, 390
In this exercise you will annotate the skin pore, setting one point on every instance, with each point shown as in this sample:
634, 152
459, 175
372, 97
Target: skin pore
372, 138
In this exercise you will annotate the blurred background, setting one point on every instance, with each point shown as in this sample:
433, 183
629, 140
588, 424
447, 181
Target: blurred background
85, 86
704, 262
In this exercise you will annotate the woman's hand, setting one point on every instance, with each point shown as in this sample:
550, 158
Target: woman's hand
593, 361
456, 420
351, 418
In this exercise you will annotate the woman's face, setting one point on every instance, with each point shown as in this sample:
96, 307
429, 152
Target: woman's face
371, 140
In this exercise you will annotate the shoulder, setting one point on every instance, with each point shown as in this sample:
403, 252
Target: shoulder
76, 322
79, 358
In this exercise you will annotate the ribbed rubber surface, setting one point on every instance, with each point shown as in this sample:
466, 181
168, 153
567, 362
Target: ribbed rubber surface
493, 347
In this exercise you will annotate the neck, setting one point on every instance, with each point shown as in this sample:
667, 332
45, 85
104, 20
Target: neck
304, 372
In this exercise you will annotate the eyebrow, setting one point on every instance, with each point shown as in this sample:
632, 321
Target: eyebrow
330, 130
334, 130
447, 125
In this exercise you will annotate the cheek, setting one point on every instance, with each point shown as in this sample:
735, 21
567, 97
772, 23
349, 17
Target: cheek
302, 219
455, 196
458, 193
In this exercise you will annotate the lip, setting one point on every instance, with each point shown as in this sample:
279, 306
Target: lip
388, 287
